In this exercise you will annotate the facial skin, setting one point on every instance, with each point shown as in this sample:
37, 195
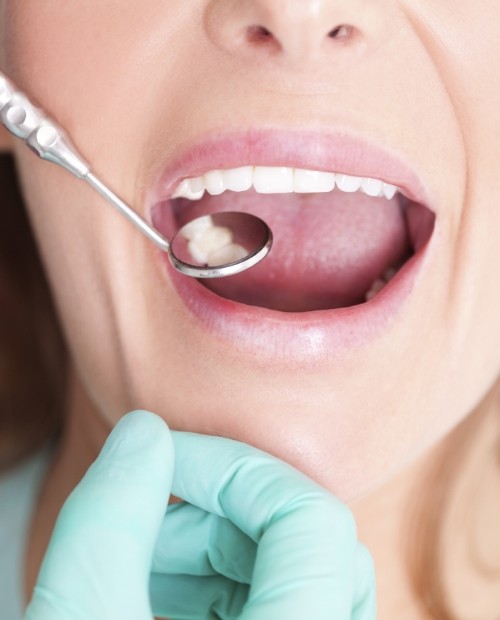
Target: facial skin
133, 86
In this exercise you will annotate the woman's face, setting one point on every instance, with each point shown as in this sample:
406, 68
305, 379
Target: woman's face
157, 92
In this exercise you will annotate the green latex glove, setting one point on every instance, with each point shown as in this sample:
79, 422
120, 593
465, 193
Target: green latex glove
257, 540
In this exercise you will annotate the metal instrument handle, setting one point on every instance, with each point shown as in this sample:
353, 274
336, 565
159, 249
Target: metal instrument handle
42, 135
49, 141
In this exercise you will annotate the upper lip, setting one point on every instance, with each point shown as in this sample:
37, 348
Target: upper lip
342, 152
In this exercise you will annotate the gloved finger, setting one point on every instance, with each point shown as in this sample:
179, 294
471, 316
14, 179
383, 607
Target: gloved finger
199, 543
99, 557
183, 597
305, 564
365, 596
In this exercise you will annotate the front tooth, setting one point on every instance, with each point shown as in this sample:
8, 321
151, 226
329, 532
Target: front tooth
389, 191
312, 181
273, 180
214, 182
228, 254
347, 183
372, 187
238, 179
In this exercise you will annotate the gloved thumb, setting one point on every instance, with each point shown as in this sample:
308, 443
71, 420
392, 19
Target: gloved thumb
99, 558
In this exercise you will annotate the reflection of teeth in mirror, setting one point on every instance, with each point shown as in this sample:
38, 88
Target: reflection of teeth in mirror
208, 241
214, 238
228, 254
199, 257
197, 227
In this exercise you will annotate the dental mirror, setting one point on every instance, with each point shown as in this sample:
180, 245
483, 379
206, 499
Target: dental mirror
217, 245
212, 246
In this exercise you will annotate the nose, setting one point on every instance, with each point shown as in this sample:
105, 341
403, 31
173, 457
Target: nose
295, 31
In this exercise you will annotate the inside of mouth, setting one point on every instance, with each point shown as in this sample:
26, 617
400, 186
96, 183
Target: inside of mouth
331, 250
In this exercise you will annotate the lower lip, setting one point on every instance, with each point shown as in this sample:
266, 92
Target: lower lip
307, 337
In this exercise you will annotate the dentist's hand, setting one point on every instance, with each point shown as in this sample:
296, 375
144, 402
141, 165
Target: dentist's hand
257, 541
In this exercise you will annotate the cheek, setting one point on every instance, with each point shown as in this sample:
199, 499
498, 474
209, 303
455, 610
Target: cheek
99, 70
69, 230
79, 47
61, 65
56, 54
473, 311
45, 51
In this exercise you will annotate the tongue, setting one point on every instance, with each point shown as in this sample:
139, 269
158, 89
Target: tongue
328, 248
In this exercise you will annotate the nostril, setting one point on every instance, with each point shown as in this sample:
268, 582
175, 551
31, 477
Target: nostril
341, 32
259, 34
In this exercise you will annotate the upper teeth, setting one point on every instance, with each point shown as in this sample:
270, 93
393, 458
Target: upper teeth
267, 180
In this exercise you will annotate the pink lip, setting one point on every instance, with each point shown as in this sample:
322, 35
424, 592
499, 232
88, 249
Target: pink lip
298, 339
309, 337
335, 152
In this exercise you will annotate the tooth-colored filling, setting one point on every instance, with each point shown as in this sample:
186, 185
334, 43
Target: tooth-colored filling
211, 245
280, 180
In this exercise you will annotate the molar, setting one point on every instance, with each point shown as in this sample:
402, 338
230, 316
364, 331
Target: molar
375, 289
197, 227
380, 283
228, 254
213, 238
207, 243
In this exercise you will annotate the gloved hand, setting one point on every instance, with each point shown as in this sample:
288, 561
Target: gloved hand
257, 541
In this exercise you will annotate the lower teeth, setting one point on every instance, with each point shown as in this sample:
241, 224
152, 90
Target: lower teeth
380, 283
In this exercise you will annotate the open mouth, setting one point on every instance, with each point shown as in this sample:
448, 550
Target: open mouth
339, 239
